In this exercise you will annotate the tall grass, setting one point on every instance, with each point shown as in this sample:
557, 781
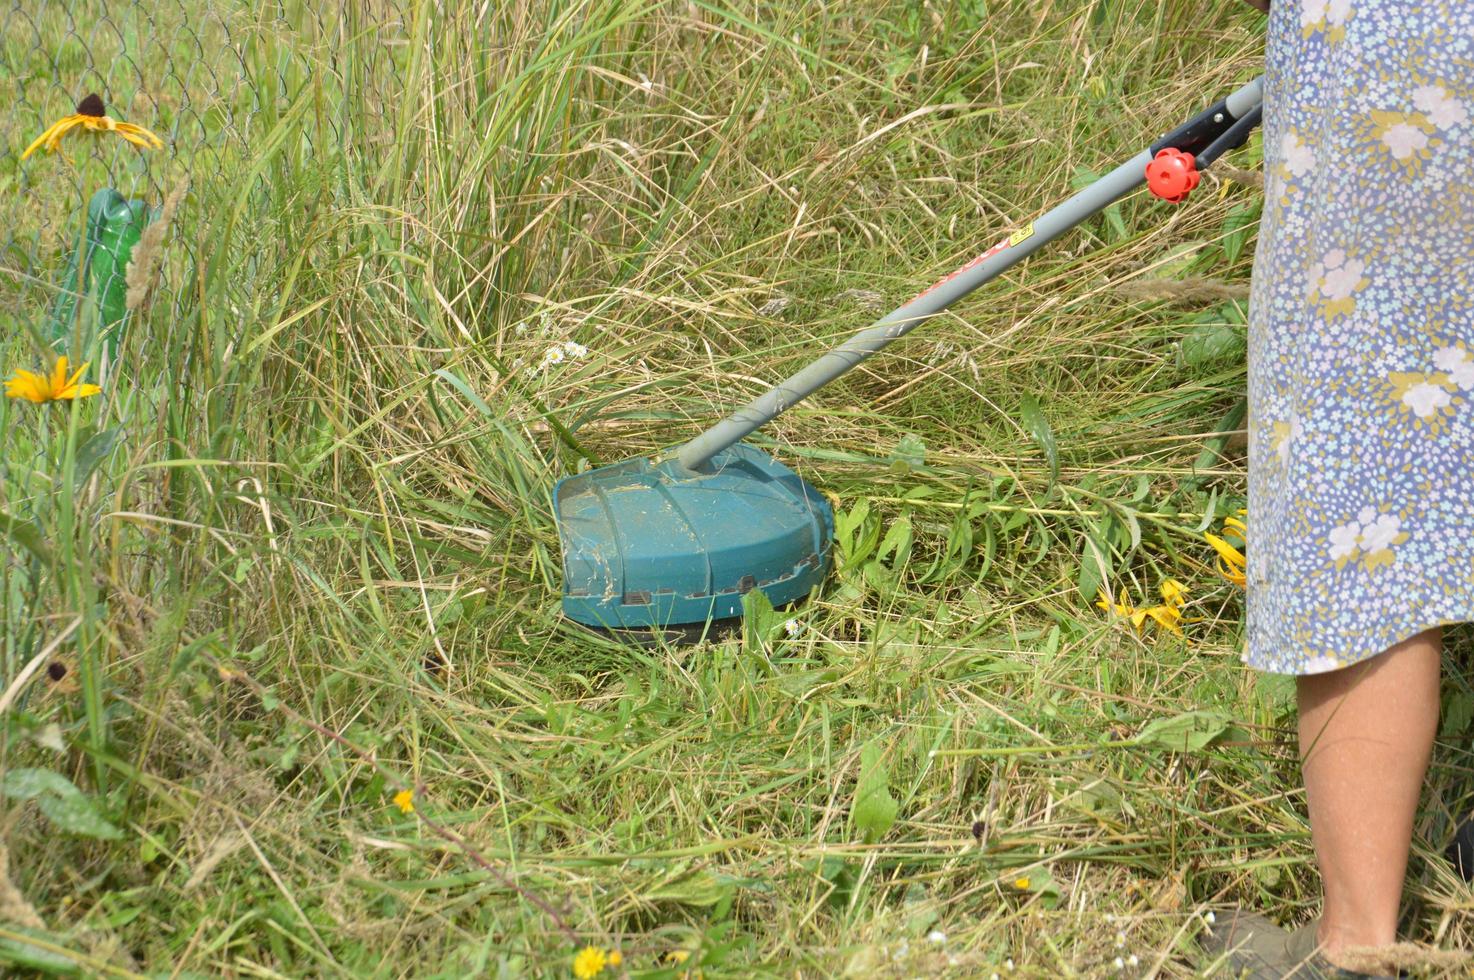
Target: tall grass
308, 560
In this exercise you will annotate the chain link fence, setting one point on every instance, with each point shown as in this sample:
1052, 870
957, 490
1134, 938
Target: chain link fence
209, 77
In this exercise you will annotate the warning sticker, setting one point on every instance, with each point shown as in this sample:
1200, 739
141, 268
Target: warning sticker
1026, 232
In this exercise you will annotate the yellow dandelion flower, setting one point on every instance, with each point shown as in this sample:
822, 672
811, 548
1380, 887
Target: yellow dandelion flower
615, 958
1022, 884
405, 800
90, 115
39, 387
589, 962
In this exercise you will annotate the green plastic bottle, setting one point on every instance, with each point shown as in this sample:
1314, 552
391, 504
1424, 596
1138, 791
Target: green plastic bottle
98, 268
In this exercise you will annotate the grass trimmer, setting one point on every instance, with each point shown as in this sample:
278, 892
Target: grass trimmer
675, 541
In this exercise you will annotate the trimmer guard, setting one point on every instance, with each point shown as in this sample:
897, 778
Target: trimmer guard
652, 544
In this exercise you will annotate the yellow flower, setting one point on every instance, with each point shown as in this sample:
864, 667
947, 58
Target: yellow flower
1168, 615
405, 800
676, 957
40, 388
615, 958
589, 962
90, 116
1022, 884
1232, 564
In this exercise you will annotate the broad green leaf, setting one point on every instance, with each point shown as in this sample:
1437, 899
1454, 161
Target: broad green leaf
909, 454
897, 543
25, 534
841, 877
96, 448
759, 619
77, 815
17, 952
1276, 692
1207, 343
1037, 426
875, 807
1178, 261
27, 784
63, 803
1236, 229
1191, 731
699, 888
921, 912
1095, 568
1035, 881
1458, 711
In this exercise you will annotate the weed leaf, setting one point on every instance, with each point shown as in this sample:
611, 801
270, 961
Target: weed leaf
67, 807
875, 807
1191, 731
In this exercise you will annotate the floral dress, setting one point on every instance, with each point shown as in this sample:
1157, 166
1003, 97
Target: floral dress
1361, 333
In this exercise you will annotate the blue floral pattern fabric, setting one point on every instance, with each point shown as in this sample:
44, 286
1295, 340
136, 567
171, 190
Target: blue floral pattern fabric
1361, 333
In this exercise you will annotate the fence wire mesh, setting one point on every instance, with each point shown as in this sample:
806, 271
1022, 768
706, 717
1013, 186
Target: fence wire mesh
210, 78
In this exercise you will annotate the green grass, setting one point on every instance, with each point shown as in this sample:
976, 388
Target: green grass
319, 565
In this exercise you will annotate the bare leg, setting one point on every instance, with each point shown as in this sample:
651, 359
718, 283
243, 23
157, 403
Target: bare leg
1366, 734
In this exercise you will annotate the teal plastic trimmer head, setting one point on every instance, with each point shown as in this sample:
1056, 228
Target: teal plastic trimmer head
676, 541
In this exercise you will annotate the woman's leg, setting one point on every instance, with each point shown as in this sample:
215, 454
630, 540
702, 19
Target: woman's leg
1366, 734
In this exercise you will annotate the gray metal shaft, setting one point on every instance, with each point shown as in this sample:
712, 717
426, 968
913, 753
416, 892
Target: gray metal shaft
896, 324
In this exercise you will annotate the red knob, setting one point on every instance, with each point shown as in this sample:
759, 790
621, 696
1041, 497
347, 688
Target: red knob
1172, 175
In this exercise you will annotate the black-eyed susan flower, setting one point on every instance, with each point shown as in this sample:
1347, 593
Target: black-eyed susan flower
405, 800
91, 115
40, 387
590, 962
1232, 564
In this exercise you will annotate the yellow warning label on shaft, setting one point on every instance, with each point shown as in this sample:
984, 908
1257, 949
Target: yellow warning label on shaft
1027, 231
